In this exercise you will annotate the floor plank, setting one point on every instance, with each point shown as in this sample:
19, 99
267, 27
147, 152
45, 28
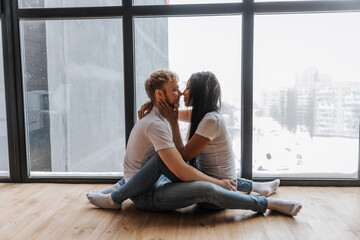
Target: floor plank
61, 211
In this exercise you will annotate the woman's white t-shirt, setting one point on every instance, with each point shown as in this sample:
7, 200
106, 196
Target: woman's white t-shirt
217, 159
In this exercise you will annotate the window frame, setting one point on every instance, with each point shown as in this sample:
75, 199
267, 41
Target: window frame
11, 15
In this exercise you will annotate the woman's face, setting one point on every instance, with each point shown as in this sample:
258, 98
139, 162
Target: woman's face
186, 94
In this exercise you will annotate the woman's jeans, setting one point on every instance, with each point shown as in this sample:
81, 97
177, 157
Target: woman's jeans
156, 188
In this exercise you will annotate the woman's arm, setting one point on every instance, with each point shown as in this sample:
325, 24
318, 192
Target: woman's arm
195, 145
145, 109
185, 115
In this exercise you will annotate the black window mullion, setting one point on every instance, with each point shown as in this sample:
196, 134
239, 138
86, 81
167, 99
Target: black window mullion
129, 87
65, 13
247, 89
10, 109
11, 93
188, 10
306, 7
20, 120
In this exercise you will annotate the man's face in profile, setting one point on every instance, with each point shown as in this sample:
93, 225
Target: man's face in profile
172, 93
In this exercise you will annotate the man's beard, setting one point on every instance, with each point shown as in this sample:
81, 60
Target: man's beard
172, 105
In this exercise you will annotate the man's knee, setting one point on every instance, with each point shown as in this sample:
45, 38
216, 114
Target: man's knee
161, 168
206, 187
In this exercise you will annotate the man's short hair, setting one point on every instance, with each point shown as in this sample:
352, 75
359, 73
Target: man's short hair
157, 80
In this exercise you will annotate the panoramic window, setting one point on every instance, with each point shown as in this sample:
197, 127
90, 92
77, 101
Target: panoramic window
73, 96
67, 3
192, 44
4, 153
301, 77
306, 95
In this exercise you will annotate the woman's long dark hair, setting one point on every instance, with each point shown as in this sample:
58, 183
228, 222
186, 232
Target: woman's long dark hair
205, 95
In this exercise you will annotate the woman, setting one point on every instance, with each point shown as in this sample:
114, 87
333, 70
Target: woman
208, 137
209, 140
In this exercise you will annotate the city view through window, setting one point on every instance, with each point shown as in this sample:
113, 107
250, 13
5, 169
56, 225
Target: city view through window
306, 88
306, 95
74, 95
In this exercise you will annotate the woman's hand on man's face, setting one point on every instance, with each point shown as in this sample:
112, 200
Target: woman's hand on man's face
170, 113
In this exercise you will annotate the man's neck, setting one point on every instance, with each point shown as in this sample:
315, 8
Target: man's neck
156, 105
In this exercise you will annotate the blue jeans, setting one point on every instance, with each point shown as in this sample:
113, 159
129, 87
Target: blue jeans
155, 192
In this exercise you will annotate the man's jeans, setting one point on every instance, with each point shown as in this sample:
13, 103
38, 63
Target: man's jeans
156, 188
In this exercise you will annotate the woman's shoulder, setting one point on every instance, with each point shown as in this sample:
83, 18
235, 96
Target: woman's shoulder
213, 115
212, 118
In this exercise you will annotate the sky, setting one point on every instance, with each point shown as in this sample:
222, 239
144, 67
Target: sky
284, 45
207, 44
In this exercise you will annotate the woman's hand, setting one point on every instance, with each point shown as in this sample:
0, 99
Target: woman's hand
145, 109
169, 113
229, 184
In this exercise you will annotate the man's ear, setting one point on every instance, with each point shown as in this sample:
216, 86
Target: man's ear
159, 94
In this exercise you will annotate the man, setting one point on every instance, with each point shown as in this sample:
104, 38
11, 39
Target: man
153, 134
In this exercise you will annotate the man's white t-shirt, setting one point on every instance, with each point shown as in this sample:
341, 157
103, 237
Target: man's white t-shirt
217, 159
152, 133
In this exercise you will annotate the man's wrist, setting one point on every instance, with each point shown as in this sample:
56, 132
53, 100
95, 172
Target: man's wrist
219, 182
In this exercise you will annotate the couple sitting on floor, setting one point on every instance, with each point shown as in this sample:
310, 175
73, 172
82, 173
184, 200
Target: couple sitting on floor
157, 176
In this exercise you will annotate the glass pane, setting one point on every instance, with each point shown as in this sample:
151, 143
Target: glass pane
67, 3
307, 95
4, 154
74, 95
173, 2
192, 44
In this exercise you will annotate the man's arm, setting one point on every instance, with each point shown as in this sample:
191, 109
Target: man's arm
173, 160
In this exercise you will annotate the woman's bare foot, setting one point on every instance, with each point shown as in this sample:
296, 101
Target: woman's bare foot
290, 208
266, 188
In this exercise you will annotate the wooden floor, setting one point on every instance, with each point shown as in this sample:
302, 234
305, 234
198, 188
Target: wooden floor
61, 211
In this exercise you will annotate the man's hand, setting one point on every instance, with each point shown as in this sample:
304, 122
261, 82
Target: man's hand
229, 184
145, 109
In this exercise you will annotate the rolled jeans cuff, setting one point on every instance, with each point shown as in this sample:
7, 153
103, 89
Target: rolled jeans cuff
121, 181
244, 185
263, 204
